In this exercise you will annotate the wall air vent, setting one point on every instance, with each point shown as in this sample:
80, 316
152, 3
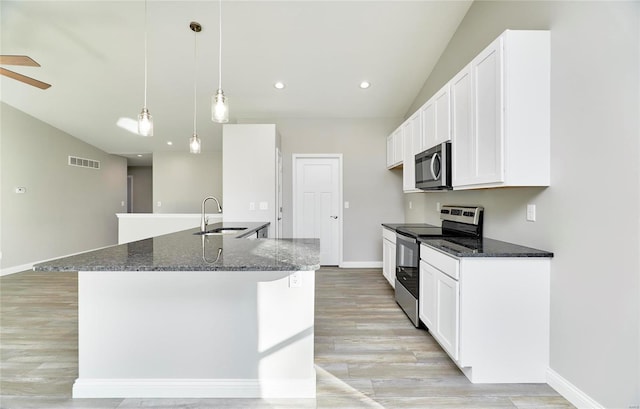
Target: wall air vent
84, 163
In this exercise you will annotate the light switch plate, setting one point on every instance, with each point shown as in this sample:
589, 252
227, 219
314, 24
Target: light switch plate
531, 212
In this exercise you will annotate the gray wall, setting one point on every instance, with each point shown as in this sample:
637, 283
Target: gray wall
373, 192
595, 309
182, 180
65, 209
142, 177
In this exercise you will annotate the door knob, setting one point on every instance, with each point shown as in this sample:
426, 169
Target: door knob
334, 217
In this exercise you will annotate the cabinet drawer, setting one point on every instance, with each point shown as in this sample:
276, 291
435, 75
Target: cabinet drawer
389, 235
441, 261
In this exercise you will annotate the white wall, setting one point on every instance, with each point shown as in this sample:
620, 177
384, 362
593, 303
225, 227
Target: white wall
142, 179
65, 209
249, 173
181, 180
373, 192
588, 218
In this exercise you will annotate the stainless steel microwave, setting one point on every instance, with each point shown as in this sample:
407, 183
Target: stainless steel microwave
433, 168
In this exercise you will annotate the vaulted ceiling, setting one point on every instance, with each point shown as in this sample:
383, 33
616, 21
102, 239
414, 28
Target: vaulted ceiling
92, 52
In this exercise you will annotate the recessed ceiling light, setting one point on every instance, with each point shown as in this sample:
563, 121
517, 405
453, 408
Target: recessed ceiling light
139, 156
365, 84
169, 143
279, 85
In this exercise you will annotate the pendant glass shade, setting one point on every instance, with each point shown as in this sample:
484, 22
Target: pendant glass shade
145, 123
194, 144
219, 108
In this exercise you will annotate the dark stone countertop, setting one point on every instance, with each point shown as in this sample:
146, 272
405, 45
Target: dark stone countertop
184, 251
484, 247
396, 226
471, 247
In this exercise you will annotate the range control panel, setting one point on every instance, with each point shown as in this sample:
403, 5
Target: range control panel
463, 214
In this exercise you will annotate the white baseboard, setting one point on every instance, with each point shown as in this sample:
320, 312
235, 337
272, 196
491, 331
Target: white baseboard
195, 388
570, 392
361, 264
16, 269
29, 266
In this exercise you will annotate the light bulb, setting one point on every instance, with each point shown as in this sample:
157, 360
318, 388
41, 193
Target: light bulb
219, 107
194, 144
145, 123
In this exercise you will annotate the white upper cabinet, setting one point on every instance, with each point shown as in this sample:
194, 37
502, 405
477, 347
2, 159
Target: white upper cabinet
411, 134
495, 112
435, 116
443, 115
395, 148
500, 108
428, 120
463, 146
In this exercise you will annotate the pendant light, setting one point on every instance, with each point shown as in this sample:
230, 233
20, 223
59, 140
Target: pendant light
194, 141
145, 121
219, 104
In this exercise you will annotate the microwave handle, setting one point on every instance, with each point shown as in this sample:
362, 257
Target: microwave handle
433, 161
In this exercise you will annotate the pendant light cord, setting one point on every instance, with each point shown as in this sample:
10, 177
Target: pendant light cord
145, 53
195, 39
220, 44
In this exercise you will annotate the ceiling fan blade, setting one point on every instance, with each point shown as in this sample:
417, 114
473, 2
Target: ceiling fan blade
24, 78
18, 60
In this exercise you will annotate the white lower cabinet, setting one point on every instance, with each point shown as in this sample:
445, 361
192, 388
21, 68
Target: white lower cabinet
427, 290
447, 313
489, 314
389, 256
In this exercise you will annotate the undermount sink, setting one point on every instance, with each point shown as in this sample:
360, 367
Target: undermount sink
219, 231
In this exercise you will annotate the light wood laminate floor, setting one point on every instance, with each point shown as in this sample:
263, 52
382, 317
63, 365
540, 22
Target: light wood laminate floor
368, 355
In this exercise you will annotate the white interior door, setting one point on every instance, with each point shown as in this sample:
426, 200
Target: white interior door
317, 194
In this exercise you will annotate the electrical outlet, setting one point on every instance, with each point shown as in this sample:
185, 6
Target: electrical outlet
21, 190
531, 212
252, 206
159, 203
122, 203
264, 205
410, 204
295, 280
346, 205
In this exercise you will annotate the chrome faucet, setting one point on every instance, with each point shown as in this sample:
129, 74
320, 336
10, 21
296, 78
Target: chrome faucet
204, 220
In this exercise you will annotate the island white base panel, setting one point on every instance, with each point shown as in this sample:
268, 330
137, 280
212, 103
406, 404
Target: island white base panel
195, 388
195, 334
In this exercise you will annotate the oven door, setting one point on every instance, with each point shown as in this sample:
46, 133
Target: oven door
433, 168
407, 262
407, 276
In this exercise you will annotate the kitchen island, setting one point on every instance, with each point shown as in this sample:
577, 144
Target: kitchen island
188, 315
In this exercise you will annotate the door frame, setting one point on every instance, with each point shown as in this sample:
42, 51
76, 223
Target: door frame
294, 167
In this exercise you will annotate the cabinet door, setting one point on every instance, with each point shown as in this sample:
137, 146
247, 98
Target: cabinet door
447, 313
398, 146
409, 130
443, 115
390, 155
428, 122
416, 123
427, 300
463, 145
487, 80
389, 261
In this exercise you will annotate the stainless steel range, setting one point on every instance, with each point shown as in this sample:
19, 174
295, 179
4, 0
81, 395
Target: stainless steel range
457, 221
